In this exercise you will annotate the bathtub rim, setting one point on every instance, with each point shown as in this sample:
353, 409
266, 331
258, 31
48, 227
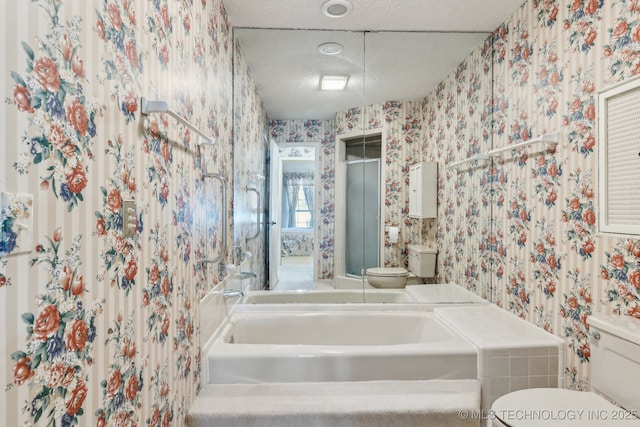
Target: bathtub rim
462, 346
412, 298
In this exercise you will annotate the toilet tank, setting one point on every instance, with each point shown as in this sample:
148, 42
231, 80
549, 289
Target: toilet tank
422, 260
615, 359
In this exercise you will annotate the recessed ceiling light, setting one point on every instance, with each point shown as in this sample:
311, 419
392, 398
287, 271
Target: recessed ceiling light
330, 48
336, 8
333, 82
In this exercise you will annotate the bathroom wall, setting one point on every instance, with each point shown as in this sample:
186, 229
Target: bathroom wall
402, 148
541, 251
457, 121
521, 232
99, 328
400, 123
249, 168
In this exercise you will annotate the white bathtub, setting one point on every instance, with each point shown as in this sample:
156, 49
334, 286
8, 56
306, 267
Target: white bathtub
336, 296
338, 346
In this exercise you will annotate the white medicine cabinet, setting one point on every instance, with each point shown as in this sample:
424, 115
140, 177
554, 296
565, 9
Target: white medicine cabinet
423, 190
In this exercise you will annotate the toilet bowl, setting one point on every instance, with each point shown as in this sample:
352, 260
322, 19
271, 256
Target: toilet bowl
615, 370
422, 264
558, 407
387, 277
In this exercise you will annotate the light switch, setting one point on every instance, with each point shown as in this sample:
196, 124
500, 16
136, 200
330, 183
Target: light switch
129, 220
16, 218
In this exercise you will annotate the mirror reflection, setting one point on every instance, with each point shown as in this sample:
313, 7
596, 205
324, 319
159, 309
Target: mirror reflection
340, 162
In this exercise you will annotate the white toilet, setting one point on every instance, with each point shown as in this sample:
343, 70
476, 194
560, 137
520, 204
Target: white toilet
615, 377
422, 264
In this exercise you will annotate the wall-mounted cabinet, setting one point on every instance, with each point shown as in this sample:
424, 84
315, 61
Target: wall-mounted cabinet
423, 190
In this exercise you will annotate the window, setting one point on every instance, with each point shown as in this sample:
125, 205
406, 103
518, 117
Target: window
303, 214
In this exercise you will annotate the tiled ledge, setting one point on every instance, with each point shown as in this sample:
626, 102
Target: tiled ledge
513, 354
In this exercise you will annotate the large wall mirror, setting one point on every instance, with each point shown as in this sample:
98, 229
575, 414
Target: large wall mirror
334, 165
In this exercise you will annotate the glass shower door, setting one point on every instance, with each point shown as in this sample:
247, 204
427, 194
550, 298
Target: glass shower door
362, 245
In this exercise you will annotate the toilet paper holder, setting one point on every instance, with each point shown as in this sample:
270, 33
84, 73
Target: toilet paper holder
393, 233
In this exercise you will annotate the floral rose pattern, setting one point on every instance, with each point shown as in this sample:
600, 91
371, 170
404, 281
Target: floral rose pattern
581, 116
60, 338
520, 131
183, 217
546, 174
499, 108
160, 151
549, 79
75, 141
546, 12
519, 296
521, 55
582, 22
162, 412
574, 312
120, 253
349, 121
160, 25
543, 318
14, 217
622, 276
500, 43
574, 381
579, 48
61, 118
547, 263
580, 215
116, 26
122, 391
520, 215
183, 340
157, 295
623, 45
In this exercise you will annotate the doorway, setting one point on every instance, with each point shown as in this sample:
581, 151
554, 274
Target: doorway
293, 238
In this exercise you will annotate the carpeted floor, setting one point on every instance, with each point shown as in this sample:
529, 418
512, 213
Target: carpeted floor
296, 273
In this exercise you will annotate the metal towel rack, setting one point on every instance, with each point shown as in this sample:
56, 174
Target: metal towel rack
147, 107
223, 182
551, 137
258, 213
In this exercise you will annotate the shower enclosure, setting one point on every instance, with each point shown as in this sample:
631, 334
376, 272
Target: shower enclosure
362, 224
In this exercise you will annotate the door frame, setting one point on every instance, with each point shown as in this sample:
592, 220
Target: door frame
341, 202
278, 205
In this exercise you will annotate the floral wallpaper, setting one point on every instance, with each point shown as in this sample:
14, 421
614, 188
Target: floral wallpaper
400, 125
102, 328
524, 235
251, 141
105, 325
296, 242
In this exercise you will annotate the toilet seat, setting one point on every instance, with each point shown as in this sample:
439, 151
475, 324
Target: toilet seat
554, 407
387, 271
387, 277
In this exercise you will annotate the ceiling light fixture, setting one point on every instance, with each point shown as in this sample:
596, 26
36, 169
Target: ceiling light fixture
330, 48
336, 8
333, 82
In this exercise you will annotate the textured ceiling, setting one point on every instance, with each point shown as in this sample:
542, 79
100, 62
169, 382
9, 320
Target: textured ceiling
409, 47
375, 15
